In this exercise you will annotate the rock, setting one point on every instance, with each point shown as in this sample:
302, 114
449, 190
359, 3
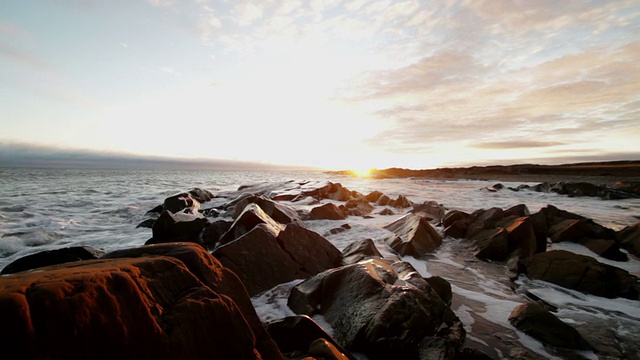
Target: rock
267, 256
180, 202
358, 251
386, 211
162, 302
279, 212
146, 224
296, 335
493, 188
522, 236
586, 232
251, 216
629, 239
359, 207
214, 231
51, 257
519, 210
442, 287
415, 236
455, 215
536, 321
608, 249
401, 202
384, 311
430, 209
328, 211
492, 245
156, 210
323, 349
178, 227
201, 195
581, 273
374, 196
383, 200
569, 230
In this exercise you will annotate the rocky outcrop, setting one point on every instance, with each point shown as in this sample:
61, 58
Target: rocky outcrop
52, 257
414, 236
535, 320
386, 311
360, 250
581, 273
161, 301
269, 255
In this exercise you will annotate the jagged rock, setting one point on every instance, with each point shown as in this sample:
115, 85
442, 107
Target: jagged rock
431, 209
358, 207
180, 202
456, 223
455, 215
384, 311
156, 210
146, 224
247, 220
386, 211
608, 249
586, 232
358, 251
201, 195
214, 231
538, 322
401, 202
581, 273
519, 210
281, 213
384, 200
629, 239
328, 211
178, 227
296, 334
522, 236
374, 196
492, 244
414, 236
162, 302
51, 257
268, 255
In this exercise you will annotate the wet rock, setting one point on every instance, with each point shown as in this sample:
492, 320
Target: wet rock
494, 188
251, 216
178, 227
430, 209
329, 211
279, 212
297, 335
358, 251
162, 302
180, 202
629, 239
538, 322
386, 211
492, 244
522, 236
384, 311
581, 273
338, 230
201, 195
415, 236
267, 255
214, 231
374, 196
156, 210
442, 287
383, 200
323, 349
146, 224
519, 210
51, 257
359, 207
455, 215
401, 202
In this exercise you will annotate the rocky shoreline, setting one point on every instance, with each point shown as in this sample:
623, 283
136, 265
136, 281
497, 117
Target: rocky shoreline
187, 292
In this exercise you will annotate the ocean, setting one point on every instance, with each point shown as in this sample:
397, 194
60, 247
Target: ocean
43, 209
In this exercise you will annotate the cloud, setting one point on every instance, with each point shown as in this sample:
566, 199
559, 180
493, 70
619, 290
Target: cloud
516, 144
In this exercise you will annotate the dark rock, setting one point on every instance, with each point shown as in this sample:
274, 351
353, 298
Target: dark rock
279, 212
629, 239
180, 202
522, 236
383, 200
358, 251
296, 334
608, 249
214, 231
519, 210
247, 220
161, 302
179, 227
401, 202
359, 207
201, 195
146, 224
384, 311
569, 230
536, 321
455, 215
328, 211
492, 244
210, 212
494, 188
156, 210
323, 349
442, 287
52, 257
386, 211
415, 236
457, 230
267, 256
581, 273
430, 209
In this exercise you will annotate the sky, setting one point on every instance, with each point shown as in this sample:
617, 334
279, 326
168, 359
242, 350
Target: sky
331, 84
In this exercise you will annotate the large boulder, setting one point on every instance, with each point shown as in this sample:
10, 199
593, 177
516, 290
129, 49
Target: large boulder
360, 250
281, 213
328, 211
161, 302
535, 320
414, 236
52, 257
251, 216
269, 255
582, 273
386, 311
178, 227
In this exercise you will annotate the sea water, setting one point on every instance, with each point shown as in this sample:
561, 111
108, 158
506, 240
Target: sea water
44, 209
